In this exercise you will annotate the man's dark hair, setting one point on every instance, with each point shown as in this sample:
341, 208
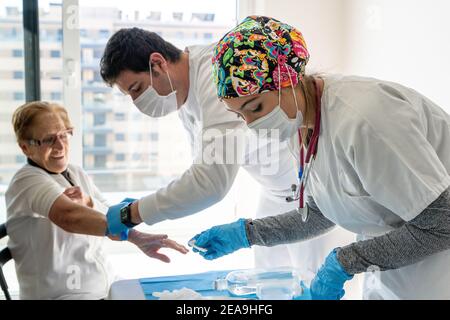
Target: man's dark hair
130, 49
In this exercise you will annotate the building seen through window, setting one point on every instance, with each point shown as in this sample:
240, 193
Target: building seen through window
111, 124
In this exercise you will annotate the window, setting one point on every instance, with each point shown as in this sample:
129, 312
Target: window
120, 137
55, 96
177, 16
154, 16
87, 56
120, 156
104, 34
99, 140
18, 75
12, 11
99, 119
203, 17
208, 36
12, 34
120, 116
156, 150
154, 136
19, 96
55, 54
98, 53
20, 158
17, 53
59, 35
50, 44
100, 161
12, 94
83, 33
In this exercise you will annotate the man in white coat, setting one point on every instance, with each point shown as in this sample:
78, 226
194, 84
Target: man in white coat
162, 79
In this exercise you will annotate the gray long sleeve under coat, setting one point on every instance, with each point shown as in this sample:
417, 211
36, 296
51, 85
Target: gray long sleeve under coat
424, 235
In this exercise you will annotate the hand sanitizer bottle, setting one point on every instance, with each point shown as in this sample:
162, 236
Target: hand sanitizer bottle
267, 284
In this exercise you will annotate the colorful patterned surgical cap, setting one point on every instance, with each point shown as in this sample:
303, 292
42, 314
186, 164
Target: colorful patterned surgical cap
258, 55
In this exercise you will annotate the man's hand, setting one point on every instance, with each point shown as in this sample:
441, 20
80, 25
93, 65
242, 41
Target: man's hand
221, 240
151, 243
75, 194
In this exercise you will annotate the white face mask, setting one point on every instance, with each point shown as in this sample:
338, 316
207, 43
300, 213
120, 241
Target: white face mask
155, 105
277, 119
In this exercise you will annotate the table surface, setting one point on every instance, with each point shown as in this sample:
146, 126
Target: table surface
126, 290
142, 289
202, 283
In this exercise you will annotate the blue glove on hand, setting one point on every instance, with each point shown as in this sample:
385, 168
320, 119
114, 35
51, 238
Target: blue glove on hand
222, 240
328, 284
115, 225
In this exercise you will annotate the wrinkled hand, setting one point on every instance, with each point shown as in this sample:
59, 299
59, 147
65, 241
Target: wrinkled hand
151, 243
222, 240
75, 194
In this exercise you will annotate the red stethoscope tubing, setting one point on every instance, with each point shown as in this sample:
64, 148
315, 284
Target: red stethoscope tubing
312, 147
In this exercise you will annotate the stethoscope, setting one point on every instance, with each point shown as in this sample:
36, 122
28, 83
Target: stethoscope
306, 163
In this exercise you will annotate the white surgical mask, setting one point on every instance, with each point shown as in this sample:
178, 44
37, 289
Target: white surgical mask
277, 119
155, 105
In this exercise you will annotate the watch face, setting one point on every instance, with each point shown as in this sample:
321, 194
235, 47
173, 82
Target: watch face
124, 214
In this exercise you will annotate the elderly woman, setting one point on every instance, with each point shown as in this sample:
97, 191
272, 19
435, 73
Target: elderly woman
55, 214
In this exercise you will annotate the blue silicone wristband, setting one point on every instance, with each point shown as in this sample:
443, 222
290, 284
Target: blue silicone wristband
124, 235
115, 224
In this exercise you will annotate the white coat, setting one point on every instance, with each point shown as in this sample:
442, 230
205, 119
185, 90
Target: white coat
383, 157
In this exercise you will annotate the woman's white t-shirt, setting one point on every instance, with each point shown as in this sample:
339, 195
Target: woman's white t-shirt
50, 262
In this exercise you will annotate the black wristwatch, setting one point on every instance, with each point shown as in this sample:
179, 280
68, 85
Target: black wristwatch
125, 216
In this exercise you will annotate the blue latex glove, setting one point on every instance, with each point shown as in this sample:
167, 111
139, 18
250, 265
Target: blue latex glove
115, 226
222, 240
328, 284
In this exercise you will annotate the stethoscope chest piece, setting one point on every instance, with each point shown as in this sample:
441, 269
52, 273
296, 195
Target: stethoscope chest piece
303, 212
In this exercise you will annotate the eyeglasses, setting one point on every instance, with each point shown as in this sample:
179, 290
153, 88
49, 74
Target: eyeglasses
50, 140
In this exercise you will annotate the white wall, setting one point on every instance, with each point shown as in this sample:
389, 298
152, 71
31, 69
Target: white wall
406, 41
320, 22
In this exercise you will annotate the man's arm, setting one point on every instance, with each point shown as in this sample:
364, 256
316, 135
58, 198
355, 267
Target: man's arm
198, 188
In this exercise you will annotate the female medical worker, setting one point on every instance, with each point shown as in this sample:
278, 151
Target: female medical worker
375, 160
55, 214
181, 81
